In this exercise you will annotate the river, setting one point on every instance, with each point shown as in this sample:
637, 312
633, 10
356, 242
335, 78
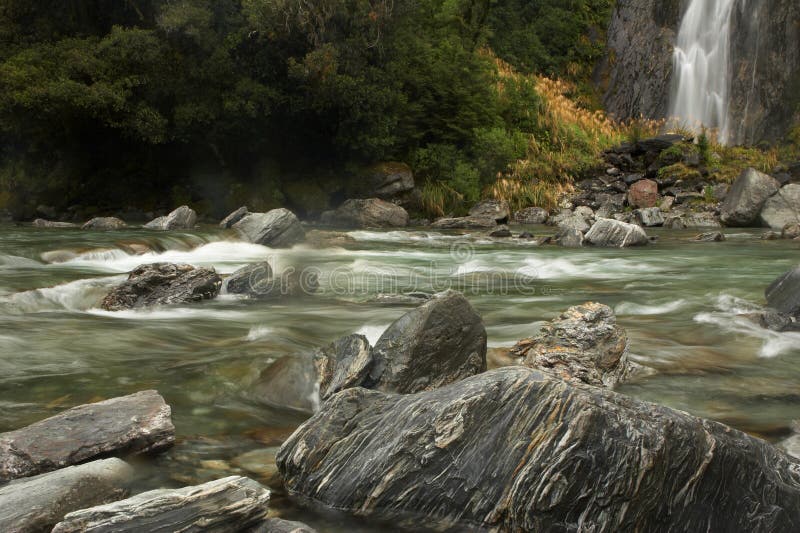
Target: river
678, 301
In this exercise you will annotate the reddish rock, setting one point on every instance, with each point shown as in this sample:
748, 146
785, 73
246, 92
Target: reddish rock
643, 193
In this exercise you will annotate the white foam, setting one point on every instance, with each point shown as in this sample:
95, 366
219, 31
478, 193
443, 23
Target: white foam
257, 333
76, 295
171, 313
372, 332
632, 308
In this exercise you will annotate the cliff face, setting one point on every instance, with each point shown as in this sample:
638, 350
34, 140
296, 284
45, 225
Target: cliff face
636, 76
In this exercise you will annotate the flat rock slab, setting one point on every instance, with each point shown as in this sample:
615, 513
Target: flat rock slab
230, 504
38, 503
515, 450
137, 423
163, 284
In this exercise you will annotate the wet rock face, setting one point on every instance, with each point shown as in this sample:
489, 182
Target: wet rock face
583, 344
230, 504
137, 423
746, 197
613, 233
343, 364
782, 209
234, 217
367, 213
163, 284
278, 228
783, 294
515, 450
105, 224
181, 218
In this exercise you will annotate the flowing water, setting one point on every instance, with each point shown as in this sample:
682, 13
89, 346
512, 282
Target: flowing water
679, 301
701, 64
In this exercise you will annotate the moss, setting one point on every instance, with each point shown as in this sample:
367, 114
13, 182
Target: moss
679, 171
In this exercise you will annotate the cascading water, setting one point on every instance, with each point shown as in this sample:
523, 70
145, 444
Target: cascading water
701, 77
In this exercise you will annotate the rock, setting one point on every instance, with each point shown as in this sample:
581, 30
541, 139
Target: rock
42, 223
775, 320
58, 256
525, 235
278, 525
252, 280
573, 222
643, 193
181, 218
691, 220
531, 215
649, 217
714, 236
783, 208
289, 383
234, 217
367, 213
613, 233
583, 344
37, 503
719, 191
501, 232
666, 203
790, 231
343, 364
105, 224
387, 180
437, 343
464, 223
783, 294
659, 143
278, 228
570, 238
229, 504
497, 210
791, 445
329, 239
771, 236
133, 424
746, 197
513, 449
163, 284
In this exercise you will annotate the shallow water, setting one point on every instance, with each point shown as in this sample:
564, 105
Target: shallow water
678, 301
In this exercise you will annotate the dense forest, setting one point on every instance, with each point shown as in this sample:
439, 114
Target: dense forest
151, 103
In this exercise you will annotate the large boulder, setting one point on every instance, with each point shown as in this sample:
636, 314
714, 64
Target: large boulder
234, 217
746, 197
649, 217
278, 228
163, 284
531, 215
437, 343
343, 364
613, 233
516, 450
137, 423
783, 208
388, 179
783, 294
367, 213
233, 503
105, 224
570, 238
464, 223
38, 503
691, 220
643, 193
497, 210
252, 280
583, 344
181, 218
290, 383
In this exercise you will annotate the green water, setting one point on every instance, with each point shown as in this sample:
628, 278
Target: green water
678, 301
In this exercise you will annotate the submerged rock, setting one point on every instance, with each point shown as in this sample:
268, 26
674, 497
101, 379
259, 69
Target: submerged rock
133, 424
230, 504
278, 228
38, 503
501, 232
464, 223
746, 197
714, 236
163, 284
290, 383
497, 210
783, 294
278, 525
783, 208
181, 218
234, 217
583, 344
613, 233
515, 450
42, 223
105, 224
329, 239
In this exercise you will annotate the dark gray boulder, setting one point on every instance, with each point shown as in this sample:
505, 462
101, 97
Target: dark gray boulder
613, 233
531, 215
515, 450
229, 504
163, 284
343, 364
254, 280
290, 383
783, 294
746, 197
437, 343
367, 213
181, 218
38, 503
388, 179
497, 210
278, 228
133, 424
42, 223
649, 217
234, 217
783, 208
583, 344
464, 223
105, 224
791, 445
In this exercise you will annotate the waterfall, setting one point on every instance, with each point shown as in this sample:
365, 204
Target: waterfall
701, 68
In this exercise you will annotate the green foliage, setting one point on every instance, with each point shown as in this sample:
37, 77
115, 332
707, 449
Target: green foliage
704, 147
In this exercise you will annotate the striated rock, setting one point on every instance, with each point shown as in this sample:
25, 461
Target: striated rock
234, 217
42, 223
497, 210
343, 364
643, 193
38, 503
278, 228
252, 280
229, 504
782, 209
437, 343
105, 224
583, 344
163, 284
714, 236
515, 450
367, 213
181, 218
649, 217
531, 215
464, 223
746, 197
783, 294
570, 238
278, 525
613, 233
133, 424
